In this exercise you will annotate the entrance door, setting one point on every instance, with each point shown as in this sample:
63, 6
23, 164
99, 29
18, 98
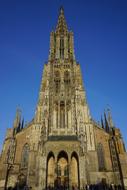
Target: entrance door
75, 171
62, 170
57, 173
50, 170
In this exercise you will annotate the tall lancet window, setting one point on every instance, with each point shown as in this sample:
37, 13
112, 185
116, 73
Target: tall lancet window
67, 81
68, 107
25, 156
101, 160
62, 48
57, 81
62, 114
56, 113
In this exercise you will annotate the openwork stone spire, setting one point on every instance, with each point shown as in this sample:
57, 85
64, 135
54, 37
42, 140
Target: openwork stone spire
62, 108
61, 27
61, 41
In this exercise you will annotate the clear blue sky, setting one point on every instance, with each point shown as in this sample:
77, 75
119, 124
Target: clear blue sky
100, 31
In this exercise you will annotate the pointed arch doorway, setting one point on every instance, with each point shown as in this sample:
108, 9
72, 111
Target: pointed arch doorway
50, 176
58, 171
75, 182
62, 170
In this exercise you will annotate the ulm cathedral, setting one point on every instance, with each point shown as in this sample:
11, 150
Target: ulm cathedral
62, 144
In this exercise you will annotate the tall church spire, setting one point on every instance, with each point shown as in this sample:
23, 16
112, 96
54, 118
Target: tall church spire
62, 108
61, 27
61, 41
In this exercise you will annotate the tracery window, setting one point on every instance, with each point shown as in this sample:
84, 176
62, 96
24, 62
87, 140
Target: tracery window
57, 81
67, 76
56, 113
68, 107
101, 160
58, 171
66, 172
25, 156
62, 114
67, 81
61, 48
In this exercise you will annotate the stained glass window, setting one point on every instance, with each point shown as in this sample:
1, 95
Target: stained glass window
58, 170
62, 48
57, 81
101, 160
25, 156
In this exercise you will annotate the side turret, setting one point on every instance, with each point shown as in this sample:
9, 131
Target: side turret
18, 123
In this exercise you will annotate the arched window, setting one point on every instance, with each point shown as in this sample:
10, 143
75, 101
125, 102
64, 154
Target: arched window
67, 76
62, 48
57, 81
56, 113
66, 171
25, 156
68, 112
67, 81
74, 169
62, 114
50, 169
100, 153
58, 171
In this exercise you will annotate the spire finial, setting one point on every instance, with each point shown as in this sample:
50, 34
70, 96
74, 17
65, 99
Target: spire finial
61, 24
110, 118
106, 122
61, 10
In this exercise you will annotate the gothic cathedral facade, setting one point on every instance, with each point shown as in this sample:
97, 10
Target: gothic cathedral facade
62, 145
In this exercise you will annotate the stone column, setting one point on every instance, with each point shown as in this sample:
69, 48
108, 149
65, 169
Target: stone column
55, 172
58, 114
69, 166
42, 173
65, 114
82, 171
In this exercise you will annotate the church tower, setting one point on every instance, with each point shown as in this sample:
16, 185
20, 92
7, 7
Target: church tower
62, 107
62, 110
62, 146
